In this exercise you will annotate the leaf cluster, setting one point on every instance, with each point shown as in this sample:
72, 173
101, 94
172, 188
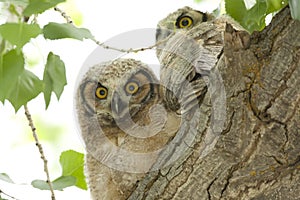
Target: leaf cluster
71, 163
253, 17
18, 85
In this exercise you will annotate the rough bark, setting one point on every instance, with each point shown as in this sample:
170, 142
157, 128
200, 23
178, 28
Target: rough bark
257, 155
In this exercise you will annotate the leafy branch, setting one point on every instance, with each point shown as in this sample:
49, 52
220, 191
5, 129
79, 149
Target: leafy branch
18, 85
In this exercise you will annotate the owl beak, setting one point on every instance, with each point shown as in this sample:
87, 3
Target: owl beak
118, 106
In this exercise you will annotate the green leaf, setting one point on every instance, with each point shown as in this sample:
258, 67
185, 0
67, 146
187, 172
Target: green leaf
58, 184
19, 33
17, 84
27, 87
11, 67
2, 46
255, 20
40, 184
295, 8
5, 177
16, 2
275, 5
55, 31
2, 198
252, 19
72, 164
236, 9
39, 6
63, 182
54, 77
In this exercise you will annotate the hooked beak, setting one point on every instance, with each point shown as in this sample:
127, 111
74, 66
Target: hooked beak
118, 106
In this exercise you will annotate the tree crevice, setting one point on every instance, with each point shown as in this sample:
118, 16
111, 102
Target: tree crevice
208, 188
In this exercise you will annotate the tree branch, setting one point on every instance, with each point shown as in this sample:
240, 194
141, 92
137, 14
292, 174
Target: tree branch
11, 197
101, 44
64, 15
38, 144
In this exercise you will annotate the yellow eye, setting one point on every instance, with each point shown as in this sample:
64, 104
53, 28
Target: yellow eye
132, 88
101, 92
184, 22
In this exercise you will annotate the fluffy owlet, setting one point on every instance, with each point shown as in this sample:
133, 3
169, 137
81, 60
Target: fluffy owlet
123, 123
191, 44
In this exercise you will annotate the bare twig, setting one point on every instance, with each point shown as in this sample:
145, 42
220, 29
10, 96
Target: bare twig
64, 15
38, 144
9, 196
131, 50
101, 44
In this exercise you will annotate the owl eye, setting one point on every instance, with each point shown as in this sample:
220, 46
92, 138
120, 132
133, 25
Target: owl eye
184, 22
101, 92
131, 88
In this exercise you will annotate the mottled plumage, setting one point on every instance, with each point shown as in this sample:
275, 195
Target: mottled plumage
123, 123
188, 54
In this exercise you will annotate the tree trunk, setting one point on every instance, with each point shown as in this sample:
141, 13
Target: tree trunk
257, 154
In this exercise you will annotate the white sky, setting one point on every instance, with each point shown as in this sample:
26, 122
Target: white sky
105, 19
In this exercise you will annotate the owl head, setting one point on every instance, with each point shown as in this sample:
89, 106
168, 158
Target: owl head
116, 91
122, 118
181, 20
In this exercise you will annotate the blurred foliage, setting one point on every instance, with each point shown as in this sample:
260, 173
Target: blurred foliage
39, 6
71, 8
17, 84
54, 31
72, 163
254, 18
48, 132
54, 77
198, 1
295, 8
5, 177
19, 33
58, 184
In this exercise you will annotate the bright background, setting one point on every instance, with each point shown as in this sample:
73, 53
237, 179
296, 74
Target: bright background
19, 157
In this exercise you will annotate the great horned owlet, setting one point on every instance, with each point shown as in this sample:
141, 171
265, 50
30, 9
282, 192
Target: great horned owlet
123, 123
190, 51
191, 45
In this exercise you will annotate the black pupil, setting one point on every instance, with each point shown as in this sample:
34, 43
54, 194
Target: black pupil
185, 22
102, 92
131, 88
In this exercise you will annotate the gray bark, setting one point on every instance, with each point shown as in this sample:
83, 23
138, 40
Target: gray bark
257, 154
